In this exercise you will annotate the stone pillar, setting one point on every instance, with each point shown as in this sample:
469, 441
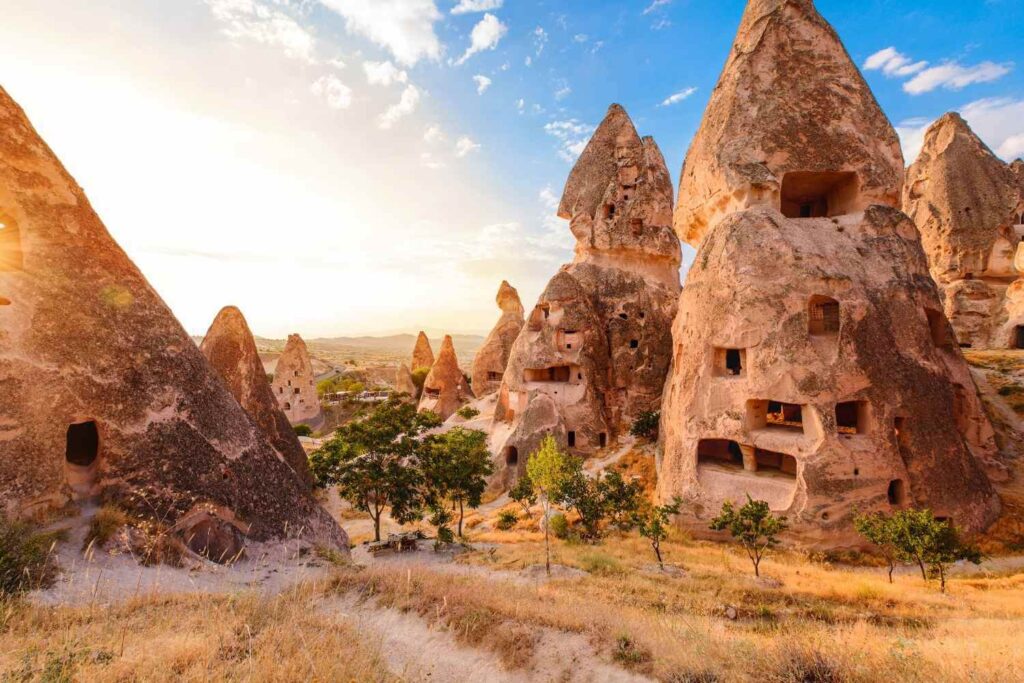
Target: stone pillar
749, 458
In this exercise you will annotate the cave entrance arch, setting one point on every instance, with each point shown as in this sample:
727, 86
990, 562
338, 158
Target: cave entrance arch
81, 458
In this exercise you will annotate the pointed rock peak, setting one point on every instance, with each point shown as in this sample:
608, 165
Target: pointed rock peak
228, 324
422, 354
791, 122
951, 130
508, 299
229, 317
447, 353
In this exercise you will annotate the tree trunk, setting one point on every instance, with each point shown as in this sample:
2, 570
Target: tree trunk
924, 574
461, 515
657, 553
547, 548
891, 568
376, 526
942, 579
757, 566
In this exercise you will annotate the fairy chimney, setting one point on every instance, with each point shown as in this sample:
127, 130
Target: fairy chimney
105, 396
404, 383
966, 204
294, 384
491, 359
422, 354
813, 366
596, 348
445, 389
231, 351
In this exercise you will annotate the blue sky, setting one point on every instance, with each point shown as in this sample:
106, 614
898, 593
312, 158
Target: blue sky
365, 166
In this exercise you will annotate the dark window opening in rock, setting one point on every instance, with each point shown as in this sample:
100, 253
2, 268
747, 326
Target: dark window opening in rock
634, 343
777, 415
938, 328
568, 346
602, 440
296, 373
572, 439
287, 406
432, 393
511, 456
4, 302
493, 376
856, 471
579, 375
609, 211
636, 225
546, 310
83, 444
852, 417
897, 492
818, 195
10, 244
770, 460
623, 316
641, 314
540, 314
733, 361
556, 374
719, 451
1018, 337
823, 315
297, 390
966, 346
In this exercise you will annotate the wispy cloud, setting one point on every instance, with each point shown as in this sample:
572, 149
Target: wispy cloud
333, 91
384, 73
892, 63
654, 6
403, 27
464, 145
950, 75
485, 36
433, 134
469, 6
264, 23
406, 105
482, 84
572, 136
678, 97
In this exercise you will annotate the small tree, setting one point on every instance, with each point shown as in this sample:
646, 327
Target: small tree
943, 547
645, 426
303, 430
753, 525
931, 543
547, 471
419, 376
455, 466
653, 523
880, 529
622, 499
440, 518
580, 492
523, 493
467, 412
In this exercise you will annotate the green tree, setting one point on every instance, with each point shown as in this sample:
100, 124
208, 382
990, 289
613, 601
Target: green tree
753, 525
547, 469
654, 521
522, 492
374, 462
467, 412
419, 376
579, 492
880, 529
621, 499
645, 426
455, 466
943, 547
303, 430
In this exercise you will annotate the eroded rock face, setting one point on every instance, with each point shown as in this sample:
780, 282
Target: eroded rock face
492, 358
231, 351
967, 206
294, 384
404, 383
445, 389
104, 393
813, 367
596, 348
422, 354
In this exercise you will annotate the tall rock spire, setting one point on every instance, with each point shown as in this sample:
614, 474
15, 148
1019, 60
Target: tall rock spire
294, 384
445, 389
422, 354
491, 359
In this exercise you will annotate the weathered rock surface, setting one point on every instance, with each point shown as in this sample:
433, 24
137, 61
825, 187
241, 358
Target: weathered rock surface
445, 389
104, 394
967, 206
596, 348
231, 351
294, 384
404, 383
422, 354
491, 359
813, 367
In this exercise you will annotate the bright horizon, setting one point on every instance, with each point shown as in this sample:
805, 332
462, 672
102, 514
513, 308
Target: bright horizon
367, 167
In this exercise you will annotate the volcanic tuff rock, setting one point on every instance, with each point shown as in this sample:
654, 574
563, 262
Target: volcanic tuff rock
967, 205
490, 361
422, 354
812, 367
104, 394
231, 350
404, 383
294, 383
596, 347
445, 389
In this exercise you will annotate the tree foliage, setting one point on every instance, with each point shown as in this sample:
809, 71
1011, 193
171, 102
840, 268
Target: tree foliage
654, 521
753, 525
645, 425
548, 469
455, 468
303, 430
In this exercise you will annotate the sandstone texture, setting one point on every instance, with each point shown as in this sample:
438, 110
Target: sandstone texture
231, 351
104, 394
404, 383
967, 205
445, 389
596, 348
422, 354
813, 367
491, 359
294, 384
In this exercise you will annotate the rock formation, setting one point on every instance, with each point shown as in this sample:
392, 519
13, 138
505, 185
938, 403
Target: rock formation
104, 394
491, 359
404, 383
422, 354
445, 389
813, 367
294, 384
231, 351
596, 348
967, 205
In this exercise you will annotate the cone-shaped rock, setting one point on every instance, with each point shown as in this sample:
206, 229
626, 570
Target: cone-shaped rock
104, 394
422, 354
231, 350
596, 348
813, 366
445, 389
294, 384
404, 383
965, 202
791, 121
491, 359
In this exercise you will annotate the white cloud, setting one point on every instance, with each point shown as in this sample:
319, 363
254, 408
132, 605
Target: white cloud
953, 76
427, 160
911, 132
678, 97
485, 36
406, 105
330, 88
404, 27
464, 146
384, 73
336, 63
563, 92
548, 199
482, 84
469, 6
656, 5
893, 63
433, 134
252, 20
580, 38
520, 105
572, 135
661, 24
540, 39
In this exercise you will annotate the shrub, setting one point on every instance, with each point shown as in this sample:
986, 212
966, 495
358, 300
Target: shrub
26, 561
107, 521
559, 526
600, 563
645, 426
467, 412
419, 376
303, 430
507, 519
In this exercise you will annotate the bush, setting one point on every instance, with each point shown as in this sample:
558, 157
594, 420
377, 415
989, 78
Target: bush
303, 430
600, 563
107, 521
467, 412
559, 526
26, 561
419, 376
645, 426
507, 519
